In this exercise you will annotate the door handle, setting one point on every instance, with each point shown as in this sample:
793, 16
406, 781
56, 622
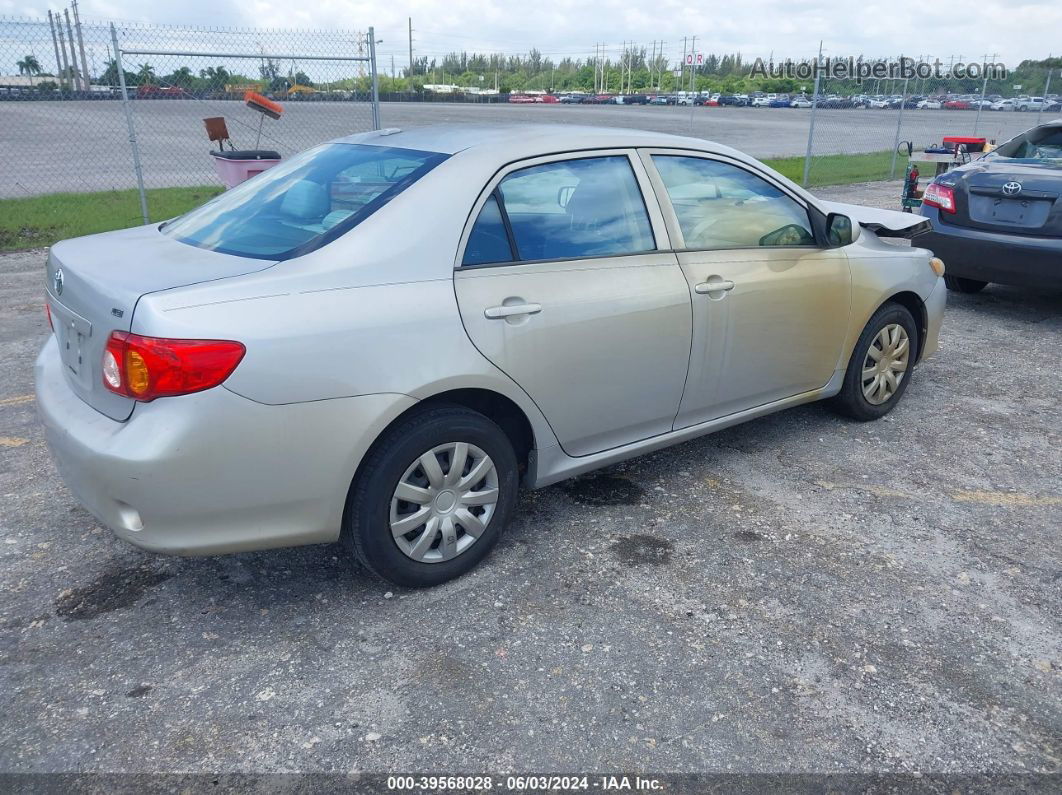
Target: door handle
721, 286
499, 312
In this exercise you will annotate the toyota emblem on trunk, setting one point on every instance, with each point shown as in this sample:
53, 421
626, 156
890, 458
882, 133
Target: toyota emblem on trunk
1012, 188
57, 280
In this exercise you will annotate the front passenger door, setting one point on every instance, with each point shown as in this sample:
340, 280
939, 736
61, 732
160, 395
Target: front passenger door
770, 304
562, 286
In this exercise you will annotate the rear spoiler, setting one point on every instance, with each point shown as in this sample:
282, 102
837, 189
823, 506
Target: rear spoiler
883, 223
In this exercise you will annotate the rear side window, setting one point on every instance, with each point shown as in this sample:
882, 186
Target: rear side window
489, 241
304, 203
589, 207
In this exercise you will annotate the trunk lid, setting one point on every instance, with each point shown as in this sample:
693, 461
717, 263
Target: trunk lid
1009, 197
94, 284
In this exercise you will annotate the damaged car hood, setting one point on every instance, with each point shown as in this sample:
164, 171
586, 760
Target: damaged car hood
883, 223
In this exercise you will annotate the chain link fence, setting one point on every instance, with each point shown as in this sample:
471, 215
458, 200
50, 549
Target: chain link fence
112, 107
66, 125
873, 124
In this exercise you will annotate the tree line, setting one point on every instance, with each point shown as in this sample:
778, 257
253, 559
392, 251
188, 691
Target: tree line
636, 69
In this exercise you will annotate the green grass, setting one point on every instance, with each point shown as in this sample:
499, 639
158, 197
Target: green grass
39, 221
839, 169
42, 220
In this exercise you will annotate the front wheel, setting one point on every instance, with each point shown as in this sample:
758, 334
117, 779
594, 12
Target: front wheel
880, 368
432, 497
963, 285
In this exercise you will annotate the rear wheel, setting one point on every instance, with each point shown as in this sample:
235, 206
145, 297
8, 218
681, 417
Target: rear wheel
880, 368
432, 497
962, 285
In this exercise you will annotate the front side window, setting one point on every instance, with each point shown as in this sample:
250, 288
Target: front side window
304, 203
722, 206
589, 207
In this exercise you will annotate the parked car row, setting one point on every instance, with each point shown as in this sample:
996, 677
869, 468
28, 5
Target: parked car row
829, 101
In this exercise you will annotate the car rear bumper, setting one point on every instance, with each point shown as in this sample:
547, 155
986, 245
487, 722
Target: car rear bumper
211, 472
994, 257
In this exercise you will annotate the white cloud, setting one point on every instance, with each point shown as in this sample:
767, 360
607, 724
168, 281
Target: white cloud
1015, 30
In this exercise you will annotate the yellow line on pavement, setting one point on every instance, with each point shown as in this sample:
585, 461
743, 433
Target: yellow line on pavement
15, 401
1007, 499
12, 441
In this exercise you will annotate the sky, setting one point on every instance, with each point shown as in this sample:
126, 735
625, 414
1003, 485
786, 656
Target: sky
1012, 29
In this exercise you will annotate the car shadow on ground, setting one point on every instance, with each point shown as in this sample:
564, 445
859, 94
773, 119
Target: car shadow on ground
1007, 302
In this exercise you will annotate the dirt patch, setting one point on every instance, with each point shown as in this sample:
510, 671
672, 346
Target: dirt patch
108, 592
642, 550
603, 490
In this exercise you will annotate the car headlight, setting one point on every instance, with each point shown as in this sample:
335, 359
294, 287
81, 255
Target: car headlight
937, 264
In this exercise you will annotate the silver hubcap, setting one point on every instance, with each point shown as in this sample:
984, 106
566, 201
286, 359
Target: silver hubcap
444, 502
885, 364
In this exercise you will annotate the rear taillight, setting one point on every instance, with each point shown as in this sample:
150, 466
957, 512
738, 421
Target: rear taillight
940, 196
48, 312
145, 368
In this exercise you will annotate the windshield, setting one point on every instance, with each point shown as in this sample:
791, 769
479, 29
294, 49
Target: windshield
303, 203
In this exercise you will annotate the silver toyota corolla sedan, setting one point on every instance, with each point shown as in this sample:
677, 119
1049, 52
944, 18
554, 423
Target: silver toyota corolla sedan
380, 339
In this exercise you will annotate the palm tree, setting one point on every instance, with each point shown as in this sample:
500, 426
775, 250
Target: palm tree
216, 75
145, 74
29, 66
181, 77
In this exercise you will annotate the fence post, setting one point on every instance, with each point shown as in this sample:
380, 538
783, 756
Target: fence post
129, 125
984, 90
1047, 87
811, 125
899, 123
375, 80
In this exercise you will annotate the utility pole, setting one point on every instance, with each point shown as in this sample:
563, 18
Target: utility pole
693, 64
76, 74
410, 47
630, 69
62, 48
652, 65
55, 43
1047, 87
81, 47
682, 68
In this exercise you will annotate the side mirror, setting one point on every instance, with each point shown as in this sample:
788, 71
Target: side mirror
788, 235
839, 230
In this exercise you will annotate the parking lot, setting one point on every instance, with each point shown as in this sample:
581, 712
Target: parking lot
797, 594
83, 146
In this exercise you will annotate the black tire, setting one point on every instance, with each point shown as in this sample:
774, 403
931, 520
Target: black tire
366, 529
963, 285
851, 401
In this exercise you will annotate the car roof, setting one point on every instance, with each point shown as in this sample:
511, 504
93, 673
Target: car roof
518, 141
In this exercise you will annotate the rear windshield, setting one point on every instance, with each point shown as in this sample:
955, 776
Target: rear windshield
303, 203
1040, 144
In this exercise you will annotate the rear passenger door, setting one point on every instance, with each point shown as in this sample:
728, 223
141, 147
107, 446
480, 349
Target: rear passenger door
565, 282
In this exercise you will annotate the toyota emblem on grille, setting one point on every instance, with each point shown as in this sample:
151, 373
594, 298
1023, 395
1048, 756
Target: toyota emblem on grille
1012, 188
57, 280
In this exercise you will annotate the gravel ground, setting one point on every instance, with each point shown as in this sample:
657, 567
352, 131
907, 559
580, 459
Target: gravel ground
797, 594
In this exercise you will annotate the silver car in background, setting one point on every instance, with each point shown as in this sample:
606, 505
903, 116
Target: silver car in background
380, 339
